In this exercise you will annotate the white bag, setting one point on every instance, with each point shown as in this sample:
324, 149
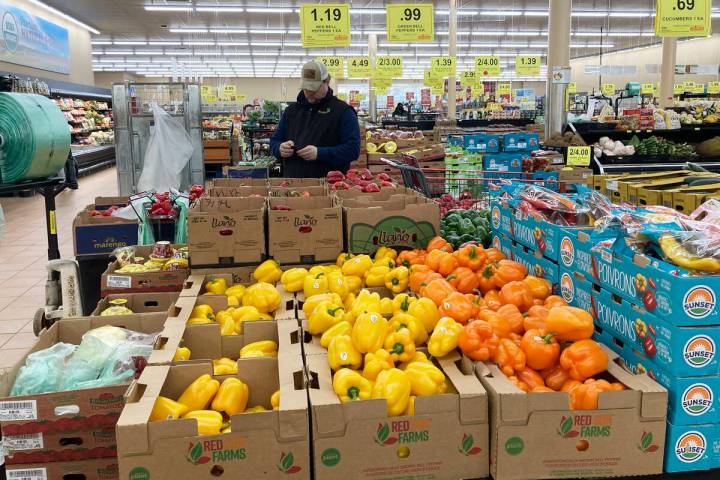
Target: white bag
168, 151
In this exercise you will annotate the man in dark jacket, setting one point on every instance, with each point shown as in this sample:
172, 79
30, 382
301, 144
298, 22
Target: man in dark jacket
318, 133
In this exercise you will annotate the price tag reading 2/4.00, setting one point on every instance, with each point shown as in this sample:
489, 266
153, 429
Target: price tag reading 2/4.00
579, 156
359, 67
527, 65
335, 66
487, 66
683, 18
413, 22
442, 66
325, 25
389, 67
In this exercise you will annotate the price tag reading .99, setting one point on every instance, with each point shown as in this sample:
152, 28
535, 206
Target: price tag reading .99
324, 25
389, 67
359, 67
487, 66
414, 22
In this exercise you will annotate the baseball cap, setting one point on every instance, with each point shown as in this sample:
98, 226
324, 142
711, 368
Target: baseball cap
313, 74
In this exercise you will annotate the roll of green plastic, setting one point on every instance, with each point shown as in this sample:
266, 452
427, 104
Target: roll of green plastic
34, 137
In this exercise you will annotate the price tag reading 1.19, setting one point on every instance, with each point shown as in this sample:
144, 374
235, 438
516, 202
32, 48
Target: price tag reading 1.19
442, 66
325, 25
359, 67
413, 22
683, 18
527, 65
335, 66
389, 67
487, 66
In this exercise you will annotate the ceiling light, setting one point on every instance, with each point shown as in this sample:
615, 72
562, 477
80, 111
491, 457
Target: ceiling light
169, 44
119, 53
294, 32
589, 14
268, 10
368, 11
198, 43
100, 42
128, 42
501, 13
647, 34
218, 8
630, 14
592, 45
64, 15
188, 30
535, 13
232, 44
228, 30
153, 52
589, 34
267, 31
168, 8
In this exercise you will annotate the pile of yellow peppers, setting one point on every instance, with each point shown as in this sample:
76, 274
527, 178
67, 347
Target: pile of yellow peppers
228, 366
211, 403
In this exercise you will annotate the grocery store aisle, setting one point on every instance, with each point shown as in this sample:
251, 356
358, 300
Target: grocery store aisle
23, 256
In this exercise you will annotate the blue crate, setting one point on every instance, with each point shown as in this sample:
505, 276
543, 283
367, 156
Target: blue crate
521, 142
481, 142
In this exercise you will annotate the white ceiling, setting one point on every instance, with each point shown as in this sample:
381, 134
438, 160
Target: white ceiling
262, 39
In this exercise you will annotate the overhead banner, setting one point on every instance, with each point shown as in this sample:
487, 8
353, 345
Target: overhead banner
325, 25
359, 67
683, 18
335, 66
32, 41
409, 23
487, 66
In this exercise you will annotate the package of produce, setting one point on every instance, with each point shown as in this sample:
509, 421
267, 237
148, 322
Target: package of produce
460, 226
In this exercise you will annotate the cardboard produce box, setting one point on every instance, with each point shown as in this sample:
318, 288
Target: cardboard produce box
425, 154
226, 231
299, 191
139, 282
687, 199
240, 182
573, 175
140, 303
535, 435
377, 158
99, 469
100, 235
266, 445
447, 438
403, 220
238, 274
296, 182
308, 233
239, 191
620, 185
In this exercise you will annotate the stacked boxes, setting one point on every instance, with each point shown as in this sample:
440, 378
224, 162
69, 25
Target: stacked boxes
95, 234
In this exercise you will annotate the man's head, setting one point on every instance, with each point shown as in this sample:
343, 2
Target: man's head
315, 81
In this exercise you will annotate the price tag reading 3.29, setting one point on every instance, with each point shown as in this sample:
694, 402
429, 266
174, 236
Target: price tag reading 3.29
410, 22
325, 25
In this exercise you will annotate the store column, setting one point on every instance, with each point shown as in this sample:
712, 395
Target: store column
452, 52
372, 98
558, 56
667, 70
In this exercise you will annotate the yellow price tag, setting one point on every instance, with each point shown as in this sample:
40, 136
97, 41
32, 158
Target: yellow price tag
429, 78
688, 86
335, 66
699, 88
241, 99
206, 90
381, 84
442, 66
438, 89
342, 96
608, 89
325, 25
229, 90
414, 22
678, 89
647, 89
389, 67
504, 89
572, 87
359, 67
478, 89
210, 99
487, 66
682, 18
381, 90
713, 87
469, 78
578, 156
527, 65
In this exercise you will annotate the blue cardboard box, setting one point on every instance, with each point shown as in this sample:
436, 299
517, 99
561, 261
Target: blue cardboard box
575, 250
99, 235
503, 162
575, 289
521, 142
695, 447
500, 219
536, 264
503, 243
481, 142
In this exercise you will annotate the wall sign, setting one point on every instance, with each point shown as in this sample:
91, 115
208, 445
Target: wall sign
325, 25
410, 22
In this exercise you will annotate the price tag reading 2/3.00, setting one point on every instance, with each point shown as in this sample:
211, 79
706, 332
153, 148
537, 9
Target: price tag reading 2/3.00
335, 66
487, 66
579, 156
359, 67
442, 66
389, 67
414, 22
325, 25
683, 18
527, 65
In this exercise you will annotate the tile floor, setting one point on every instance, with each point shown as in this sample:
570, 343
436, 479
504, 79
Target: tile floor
23, 256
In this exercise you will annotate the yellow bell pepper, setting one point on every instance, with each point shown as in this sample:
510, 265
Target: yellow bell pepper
247, 314
236, 291
444, 338
354, 283
315, 285
357, 265
315, 300
385, 252
386, 306
231, 398
216, 286
227, 429
292, 279
384, 262
199, 393
400, 345
181, 354
233, 301
325, 315
394, 386
209, 422
256, 409
426, 379
317, 270
376, 363
262, 296
341, 328
369, 332
397, 279
402, 302
350, 385
416, 327
426, 311
166, 409
419, 357
223, 314
199, 321
342, 353
332, 268
375, 277
342, 258
337, 284
410, 410
268, 272
349, 301
224, 366
262, 348
366, 302
275, 400
203, 311
227, 327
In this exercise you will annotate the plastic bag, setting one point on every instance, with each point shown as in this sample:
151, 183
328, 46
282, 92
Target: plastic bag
168, 152
42, 371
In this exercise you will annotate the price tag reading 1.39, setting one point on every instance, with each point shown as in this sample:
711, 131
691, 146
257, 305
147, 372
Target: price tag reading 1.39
359, 67
389, 67
488, 66
442, 66
527, 65
414, 22
683, 18
325, 25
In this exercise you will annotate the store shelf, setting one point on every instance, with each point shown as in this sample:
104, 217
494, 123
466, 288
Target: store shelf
90, 130
591, 132
430, 124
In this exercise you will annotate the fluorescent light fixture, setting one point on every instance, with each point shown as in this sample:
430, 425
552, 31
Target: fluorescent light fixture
589, 34
129, 42
190, 61
267, 54
589, 14
263, 31
460, 13
179, 54
592, 45
376, 32
232, 44
228, 30
536, 13
513, 45
153, 52
118, 52
188, 30
629, 14
101, 42
293, 32
537, 45
268, 10
501, 13
647, 34
164, 43
209, 53
65, 16
199, 44
219, 8
168, 8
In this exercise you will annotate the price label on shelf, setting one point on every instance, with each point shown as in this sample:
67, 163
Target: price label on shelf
325, 25
683, 18
359, 67
608, 89
713, 87
469, 78
414, 22
442, 66
487, 66
678, 89
389, 67
572, 87
527, 65
504, 89
579, 156
335, 66
647, 89
688, 87
699, 88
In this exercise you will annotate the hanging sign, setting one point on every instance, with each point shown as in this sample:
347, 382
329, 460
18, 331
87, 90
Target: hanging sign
468, 78
359, 67
414, 22
504, 89
578, 156
325, 25
487, 66
381, 85
210, 99
389, 67
572, 87
683, 18
335, 66
229, 90
527, 65
713, 87
442, 66
647, 89
688, 87
478, 89
678, 89
429, 78
438, 88
608, 89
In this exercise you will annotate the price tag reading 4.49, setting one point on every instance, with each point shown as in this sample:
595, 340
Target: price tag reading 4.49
442, 66
488, 66
414, 22
389, 67
325, 25
527, 65
359, 67
683, 18
579, 156
335, 66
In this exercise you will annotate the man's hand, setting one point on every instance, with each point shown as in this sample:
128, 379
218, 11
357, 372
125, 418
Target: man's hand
286, 149
308, 153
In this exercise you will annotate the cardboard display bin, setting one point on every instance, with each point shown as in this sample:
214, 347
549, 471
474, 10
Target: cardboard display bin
140, 303
98, 469
101, 235
139, 282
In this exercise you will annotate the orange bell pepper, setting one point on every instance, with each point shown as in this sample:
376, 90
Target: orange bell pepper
509, 357
408, 258
569, 323
515, 319
499, 324
585, 396
518, 294
493, 255
535, 318
477, 303
516, 338
521, 385
442, 262
485, 279
555, 377
492, 300
471, 256
541, 348
418, 273
439, 243
584, 359
478, 341
531, 377
437, 290
555, 301
539, 287
464, 280
569, 385
508, 271
457, 307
